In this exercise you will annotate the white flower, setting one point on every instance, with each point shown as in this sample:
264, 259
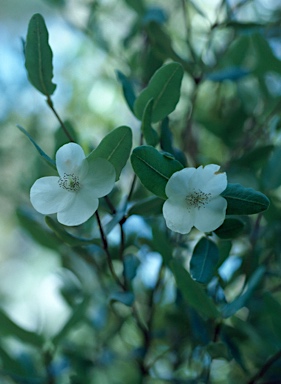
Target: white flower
194, 199
74, 194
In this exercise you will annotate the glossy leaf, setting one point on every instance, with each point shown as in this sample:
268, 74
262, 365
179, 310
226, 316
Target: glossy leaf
231, 228
115, 147
193, 292
231, 308
150, 135
154, 168
244, 201
44, 156
147, 207
128, 90
164, 88
126, 298
39, 56
204, 260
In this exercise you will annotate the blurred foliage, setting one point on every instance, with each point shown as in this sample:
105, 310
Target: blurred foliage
146, 305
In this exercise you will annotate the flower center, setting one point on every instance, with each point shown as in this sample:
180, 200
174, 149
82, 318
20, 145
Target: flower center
197, 199
70, 182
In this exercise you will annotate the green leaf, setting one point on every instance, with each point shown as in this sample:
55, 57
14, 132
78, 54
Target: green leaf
39, 233
273, 311
77, 315
45, 157
150, 135
126, 298
147, 207
231, 227
271, 174
244, 201
39, 56
231, 308
154, 169
114, 147
131, 264
66, 237
204, 260
164, 88
162, 244
193, 292
10, 328
128, 90
218, 350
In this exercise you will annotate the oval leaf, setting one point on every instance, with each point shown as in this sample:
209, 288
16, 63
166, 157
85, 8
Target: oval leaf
150, 135
39, 56
164, 88
154, 169
126, 298
115, 147
231, 227
128, 90
204, 260
244, 201
192, 292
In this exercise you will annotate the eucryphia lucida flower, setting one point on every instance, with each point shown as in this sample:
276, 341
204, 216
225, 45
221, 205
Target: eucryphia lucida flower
194, 199
74, 194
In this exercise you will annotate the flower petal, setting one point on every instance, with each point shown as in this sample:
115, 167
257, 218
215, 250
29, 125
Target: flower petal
178, 218
100, 178
179, 182
69, 159
210, 217
48, 197
82, 208
208, 180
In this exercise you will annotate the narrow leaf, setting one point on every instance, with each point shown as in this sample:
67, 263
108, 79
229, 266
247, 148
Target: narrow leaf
231, 308
150, 135
45, 157
204, 260
128, 90
115, 147
126, 298
193, 292
244, 201
39, 56
164, 88
154, 169
10, 328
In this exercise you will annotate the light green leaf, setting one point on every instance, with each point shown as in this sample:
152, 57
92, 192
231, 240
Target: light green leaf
164, 88
154, 169
115, 147
244, 201
231, 308
193, 292
77, 315
147, 207
150, 135
230, 228
204, 260
45, 157
39, 56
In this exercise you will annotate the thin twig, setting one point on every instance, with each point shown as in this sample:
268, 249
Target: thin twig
51, 105
265, 367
